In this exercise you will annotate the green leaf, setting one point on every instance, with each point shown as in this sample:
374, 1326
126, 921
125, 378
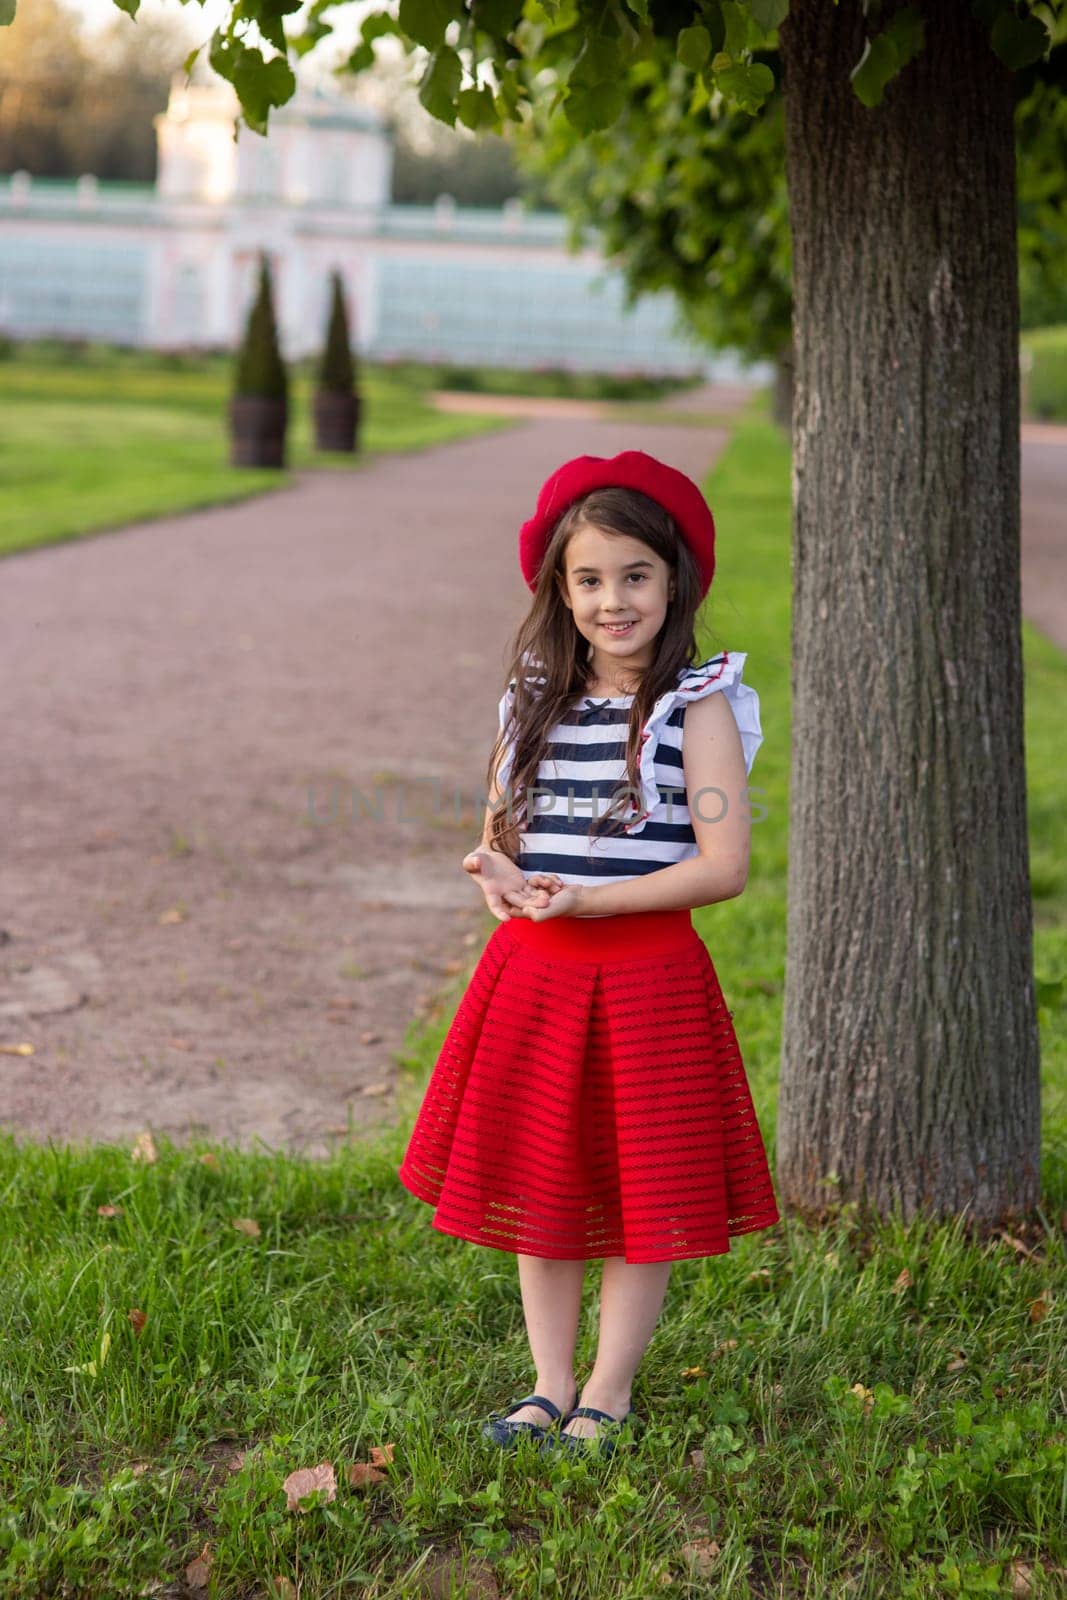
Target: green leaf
496, 17
7, 12
378, 25
590, 106
190, 60
874, 69
907, 31
1019, 40
425, 21
768, 14
360, 58
713, 19
746, 84
476, 108
131, 7
440, 84
735, 17
694, 47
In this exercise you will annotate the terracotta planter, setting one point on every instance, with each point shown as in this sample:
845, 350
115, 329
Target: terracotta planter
336, 420
257, 431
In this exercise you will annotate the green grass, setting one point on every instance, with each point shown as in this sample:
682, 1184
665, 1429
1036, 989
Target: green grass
817, 1426
1044, 352
98, 443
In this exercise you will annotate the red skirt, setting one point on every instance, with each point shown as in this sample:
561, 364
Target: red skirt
590, 1099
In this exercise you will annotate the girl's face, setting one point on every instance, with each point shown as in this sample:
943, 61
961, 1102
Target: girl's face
618, 590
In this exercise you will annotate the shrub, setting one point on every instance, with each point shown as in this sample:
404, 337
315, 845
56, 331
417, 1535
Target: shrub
337, 366
260, 368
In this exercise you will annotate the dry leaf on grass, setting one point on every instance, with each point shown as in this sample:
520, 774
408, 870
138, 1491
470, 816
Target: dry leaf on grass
361, 1474
17, 1049
137, 1320
284, 1588
144, 1149
210, 1159
1039, 1307
305, 1481
701, 1554
247, 1225
171, 915
198, 1571
693, 1372
109, 1211
375, 1088
902, 1280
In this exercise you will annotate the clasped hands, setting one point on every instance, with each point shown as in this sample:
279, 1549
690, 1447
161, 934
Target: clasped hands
509, 894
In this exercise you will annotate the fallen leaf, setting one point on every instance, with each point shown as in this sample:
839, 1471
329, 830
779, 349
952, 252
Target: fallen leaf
701, 1554
375, 1088
1022, 1579
726, 1344
1039, 1307
693, 1372
172, 915
198, 1571
144, 1149
342, 1003
235, 944
902, 1281
958, 1361
17, 1049
453, 966
307, 1480
210, 1159
109, 1211
236, 1462
247, 1225
362, 1473
696, 1458
179, 1044
382, 1454
334, 1016
284, 1589
866, 1395
1017, 1244
370, 1038
137, 1320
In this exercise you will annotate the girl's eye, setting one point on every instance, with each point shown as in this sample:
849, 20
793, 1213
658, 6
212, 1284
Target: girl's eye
640, 576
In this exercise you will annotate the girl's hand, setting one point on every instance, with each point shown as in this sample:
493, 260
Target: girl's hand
551, 898
497, 876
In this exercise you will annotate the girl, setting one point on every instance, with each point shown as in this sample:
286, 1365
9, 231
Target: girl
589, 1100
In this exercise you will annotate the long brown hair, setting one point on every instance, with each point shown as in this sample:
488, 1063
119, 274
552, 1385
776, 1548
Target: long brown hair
549, 658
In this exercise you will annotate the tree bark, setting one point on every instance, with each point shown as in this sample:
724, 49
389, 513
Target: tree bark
910, 1065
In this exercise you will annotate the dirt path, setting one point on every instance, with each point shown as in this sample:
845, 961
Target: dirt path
184, 945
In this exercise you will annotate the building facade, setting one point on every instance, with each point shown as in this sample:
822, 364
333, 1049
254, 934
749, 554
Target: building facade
172, 266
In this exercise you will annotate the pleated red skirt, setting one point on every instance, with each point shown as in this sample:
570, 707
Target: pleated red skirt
590, 1099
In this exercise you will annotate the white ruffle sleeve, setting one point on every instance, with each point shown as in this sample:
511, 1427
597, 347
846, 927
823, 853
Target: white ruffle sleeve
721, 673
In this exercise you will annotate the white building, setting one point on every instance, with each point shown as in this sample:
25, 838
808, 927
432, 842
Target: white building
173, 266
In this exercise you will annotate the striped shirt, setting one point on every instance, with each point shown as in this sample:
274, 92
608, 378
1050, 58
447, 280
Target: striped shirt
586, 768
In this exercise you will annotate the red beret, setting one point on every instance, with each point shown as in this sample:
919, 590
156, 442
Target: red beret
633, 469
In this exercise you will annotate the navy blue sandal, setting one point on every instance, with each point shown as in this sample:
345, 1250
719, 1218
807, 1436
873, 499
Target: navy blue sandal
601, 1444
504, 1432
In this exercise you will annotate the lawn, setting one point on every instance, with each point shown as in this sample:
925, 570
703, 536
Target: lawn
121, 436
829, 1414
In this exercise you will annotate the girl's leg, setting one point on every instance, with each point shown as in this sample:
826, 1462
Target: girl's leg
631, 1298
552, 1303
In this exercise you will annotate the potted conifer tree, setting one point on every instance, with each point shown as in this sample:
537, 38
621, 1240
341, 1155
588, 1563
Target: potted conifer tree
259, 405
336, 403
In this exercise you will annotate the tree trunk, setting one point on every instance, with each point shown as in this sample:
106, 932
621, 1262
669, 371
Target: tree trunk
910, 1069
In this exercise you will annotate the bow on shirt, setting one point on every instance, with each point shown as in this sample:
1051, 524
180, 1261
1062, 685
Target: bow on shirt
591, 712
